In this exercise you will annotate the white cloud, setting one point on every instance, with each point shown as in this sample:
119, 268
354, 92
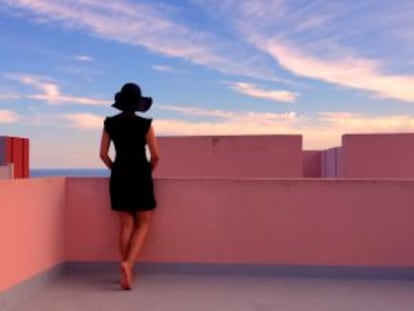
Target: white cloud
138, 24
320, 131
311, 23
162, 68
356, 122
325, 45
247, 124
259, 9
60, 99
254, 91
84, 121
8, 116
197, 111
10, 96
50, 92
83, 58
232, 116
358, 73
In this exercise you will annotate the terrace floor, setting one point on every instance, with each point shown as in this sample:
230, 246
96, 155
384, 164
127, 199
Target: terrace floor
181, 292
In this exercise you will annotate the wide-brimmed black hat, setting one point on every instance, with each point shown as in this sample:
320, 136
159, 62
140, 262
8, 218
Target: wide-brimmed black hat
129, 98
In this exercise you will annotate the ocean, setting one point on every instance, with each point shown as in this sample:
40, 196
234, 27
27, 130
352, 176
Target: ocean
69, 172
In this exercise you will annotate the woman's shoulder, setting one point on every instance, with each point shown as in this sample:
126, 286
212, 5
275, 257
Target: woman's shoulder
122, 118
111, 118
140, 117
145, 122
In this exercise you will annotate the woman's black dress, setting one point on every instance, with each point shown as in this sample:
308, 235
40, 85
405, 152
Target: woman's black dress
130, 186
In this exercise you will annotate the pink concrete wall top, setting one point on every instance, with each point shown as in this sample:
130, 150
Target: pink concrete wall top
378, 156
31, 228
312, 164
311, 222
231, 156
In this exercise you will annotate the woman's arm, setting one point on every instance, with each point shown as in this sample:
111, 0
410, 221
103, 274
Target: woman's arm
153, 147
103, 154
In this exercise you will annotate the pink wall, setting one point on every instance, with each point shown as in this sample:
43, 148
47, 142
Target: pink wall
378, 155
311, 222
312, 162
307, 222
231, 156
31, 228
89, 220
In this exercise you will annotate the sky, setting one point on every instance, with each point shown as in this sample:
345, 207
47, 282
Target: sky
319, 68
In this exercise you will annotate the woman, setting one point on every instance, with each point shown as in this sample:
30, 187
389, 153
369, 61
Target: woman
130, 186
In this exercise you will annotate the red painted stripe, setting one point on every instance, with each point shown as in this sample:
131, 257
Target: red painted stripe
17, 152
9, 150
17, 157
26, 154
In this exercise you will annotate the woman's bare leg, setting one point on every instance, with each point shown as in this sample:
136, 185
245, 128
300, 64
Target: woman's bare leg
139, 236
127, 224
125, 233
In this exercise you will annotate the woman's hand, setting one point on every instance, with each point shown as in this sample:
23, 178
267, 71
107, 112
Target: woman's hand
103, 154
153, 147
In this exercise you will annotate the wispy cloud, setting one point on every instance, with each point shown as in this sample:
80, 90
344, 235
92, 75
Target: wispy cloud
197, 111
229, 115
60, 99
83, 58
265, 11
10, 96
358, 122
317, 40
8, 116
227, 122
50, 91
162, 68
84, 121
149, 26
312, 23
320, 130
352, 72
255, 91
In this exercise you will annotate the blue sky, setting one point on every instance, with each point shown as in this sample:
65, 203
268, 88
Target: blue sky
318, 68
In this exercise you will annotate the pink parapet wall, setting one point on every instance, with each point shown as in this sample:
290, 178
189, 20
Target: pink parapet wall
378, 156
31, 228
231, 156
45, 222
305, 222
89, 220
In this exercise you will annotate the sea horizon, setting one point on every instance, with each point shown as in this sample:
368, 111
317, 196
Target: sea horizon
69, 172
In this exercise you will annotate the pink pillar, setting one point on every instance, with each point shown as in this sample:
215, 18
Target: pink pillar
15, 150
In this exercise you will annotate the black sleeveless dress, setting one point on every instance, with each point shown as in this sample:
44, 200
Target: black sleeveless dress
131, 185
